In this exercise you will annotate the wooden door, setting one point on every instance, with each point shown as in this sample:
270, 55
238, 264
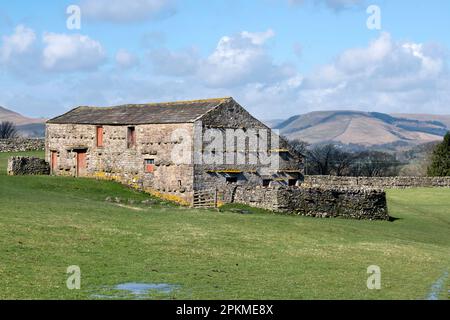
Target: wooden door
131, 137
54, 161
99, 137
81, 163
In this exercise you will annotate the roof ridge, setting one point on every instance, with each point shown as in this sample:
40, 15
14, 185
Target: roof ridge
168, 103
162, 112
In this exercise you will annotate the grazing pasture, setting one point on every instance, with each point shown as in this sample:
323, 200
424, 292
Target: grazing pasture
50, 223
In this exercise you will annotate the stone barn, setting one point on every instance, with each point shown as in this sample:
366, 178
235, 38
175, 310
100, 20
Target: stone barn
173, 149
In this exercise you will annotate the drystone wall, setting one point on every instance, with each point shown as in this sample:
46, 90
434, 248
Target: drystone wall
361, 203
376, 182
324, 202
21, 145
27, 166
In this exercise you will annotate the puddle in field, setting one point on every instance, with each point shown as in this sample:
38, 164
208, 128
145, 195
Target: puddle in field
437, 287
138, 290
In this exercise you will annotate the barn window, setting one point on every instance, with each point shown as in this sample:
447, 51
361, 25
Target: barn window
232, 180
284, 156
266, 182
131, 137
99, 136
149, 165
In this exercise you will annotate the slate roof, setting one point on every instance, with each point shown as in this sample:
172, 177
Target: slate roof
166, 112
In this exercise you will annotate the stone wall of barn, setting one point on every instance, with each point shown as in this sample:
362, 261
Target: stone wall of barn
214, 173
332, 202
170, 179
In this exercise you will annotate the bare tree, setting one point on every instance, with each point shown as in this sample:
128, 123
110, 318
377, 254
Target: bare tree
331, 160
377, 164
343, 162
8, 130
299, 146
319, 160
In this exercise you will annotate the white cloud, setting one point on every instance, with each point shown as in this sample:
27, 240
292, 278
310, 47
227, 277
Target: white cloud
19, 43
76, 52
19, 54
355, 60
243, 59
258, 38
241, 66
28, 57
431, 65
237, 60
121, 11
125, 59
385, 76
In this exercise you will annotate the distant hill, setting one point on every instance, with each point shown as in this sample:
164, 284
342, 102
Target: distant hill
273, 123
28, 127
445, 119
372, 130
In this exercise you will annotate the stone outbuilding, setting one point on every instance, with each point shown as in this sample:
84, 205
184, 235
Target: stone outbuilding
171, 149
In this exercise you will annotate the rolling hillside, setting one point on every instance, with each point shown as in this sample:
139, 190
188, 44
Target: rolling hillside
366, 129
49, 223
28, 127
445, 119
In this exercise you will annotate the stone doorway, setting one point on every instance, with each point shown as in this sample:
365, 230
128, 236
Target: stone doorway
81, 162
53, 161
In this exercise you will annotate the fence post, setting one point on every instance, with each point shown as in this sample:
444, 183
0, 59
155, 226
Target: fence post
215, 198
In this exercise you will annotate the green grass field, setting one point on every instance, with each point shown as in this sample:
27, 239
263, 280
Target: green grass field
50, 223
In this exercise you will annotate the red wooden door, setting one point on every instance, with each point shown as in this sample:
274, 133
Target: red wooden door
99, 137
81, 163
54, 159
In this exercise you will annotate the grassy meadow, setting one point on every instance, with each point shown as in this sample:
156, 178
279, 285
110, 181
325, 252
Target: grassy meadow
50, 223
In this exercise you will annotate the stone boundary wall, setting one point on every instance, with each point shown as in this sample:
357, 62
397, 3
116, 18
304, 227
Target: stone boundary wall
361, 203
324, 202
377, 182
18, 166
21, 145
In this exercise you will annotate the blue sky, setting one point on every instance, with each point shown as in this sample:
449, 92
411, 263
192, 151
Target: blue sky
276, 57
